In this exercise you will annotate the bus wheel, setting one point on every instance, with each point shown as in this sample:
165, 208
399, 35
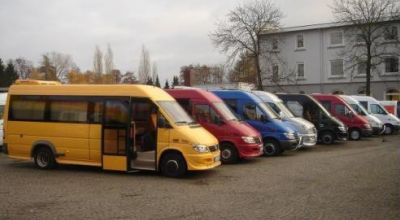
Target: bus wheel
355, 134
173, 165
228, 153
327, 137
271, 148
44, 158
388, 129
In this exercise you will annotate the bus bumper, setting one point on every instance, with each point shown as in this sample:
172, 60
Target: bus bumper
204, 161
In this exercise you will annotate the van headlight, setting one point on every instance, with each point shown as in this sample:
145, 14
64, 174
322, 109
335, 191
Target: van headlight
201, 148
248, 139
290, 135
342, 128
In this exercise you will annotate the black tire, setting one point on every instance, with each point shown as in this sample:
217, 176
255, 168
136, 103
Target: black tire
173, 165
354, 134
44, 158
327, 138
229, 153
272, 148
388, 129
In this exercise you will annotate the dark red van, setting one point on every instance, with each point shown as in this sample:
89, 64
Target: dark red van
237, 139
358, 125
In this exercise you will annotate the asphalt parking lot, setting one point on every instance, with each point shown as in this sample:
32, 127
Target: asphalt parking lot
355, 180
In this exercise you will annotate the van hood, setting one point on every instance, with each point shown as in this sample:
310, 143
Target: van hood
393, 119
301, 125
374, 121
283, 126
241, 128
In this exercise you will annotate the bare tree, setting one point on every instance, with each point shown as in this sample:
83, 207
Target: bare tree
62, 64
109, 60
144, 69
240, 32
23, 67
98, 61
369, 24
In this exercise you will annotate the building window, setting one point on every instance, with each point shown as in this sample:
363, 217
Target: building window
275, 73
337, 67
274, 44
362, 68
300, 41
391, 64
337, 38
300, 70
391, 33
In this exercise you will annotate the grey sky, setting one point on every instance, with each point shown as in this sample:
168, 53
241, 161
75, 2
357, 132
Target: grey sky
174, 31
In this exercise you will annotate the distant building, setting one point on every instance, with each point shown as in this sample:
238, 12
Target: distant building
201, 75
310, 59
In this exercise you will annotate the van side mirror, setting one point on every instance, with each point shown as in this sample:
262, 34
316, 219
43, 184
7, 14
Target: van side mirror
263, 118
217, 120
350, 114
163, 123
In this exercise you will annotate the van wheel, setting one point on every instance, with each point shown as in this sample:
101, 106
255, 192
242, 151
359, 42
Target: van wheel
327, 138
44, 158
173, 165
355, 134
271, 148
229, 153
388, 129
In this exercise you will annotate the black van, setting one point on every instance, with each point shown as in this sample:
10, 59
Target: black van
329, 128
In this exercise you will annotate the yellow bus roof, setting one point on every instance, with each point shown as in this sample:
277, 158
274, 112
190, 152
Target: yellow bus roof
152, 92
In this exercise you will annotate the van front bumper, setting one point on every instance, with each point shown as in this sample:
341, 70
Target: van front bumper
290, 144
309, 139
203, 161
366, 132
341, 136
378, 130
250, 150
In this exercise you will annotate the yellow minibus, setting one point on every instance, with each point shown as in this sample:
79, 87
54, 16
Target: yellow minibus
116, 127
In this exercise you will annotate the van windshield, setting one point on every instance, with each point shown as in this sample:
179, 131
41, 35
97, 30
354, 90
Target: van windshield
176, 112
280, 108
359, 109
225, 111
267, 110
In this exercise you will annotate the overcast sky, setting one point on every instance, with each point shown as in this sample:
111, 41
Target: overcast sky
174, 31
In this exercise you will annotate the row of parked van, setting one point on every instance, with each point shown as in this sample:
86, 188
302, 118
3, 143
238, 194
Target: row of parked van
242, 120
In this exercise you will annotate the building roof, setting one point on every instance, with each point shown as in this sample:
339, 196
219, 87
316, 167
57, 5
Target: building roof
315, 27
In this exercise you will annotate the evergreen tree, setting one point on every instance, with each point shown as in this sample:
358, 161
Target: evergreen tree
149, 81
8, 76
158, 82
175, 81
166, 85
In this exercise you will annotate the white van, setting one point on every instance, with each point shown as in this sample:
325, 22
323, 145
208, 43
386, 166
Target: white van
392, 123
306, 129
377, 125
3, 98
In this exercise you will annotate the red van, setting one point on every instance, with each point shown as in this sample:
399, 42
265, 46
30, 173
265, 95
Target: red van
237, 139
357, 124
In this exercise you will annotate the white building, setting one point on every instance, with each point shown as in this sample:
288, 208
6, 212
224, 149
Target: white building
313, 59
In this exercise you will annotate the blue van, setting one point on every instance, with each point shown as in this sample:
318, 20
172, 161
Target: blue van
277, 135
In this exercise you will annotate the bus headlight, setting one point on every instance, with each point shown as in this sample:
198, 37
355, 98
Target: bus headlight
201, 148
248, 139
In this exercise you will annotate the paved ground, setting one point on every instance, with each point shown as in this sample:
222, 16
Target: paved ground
355, 180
